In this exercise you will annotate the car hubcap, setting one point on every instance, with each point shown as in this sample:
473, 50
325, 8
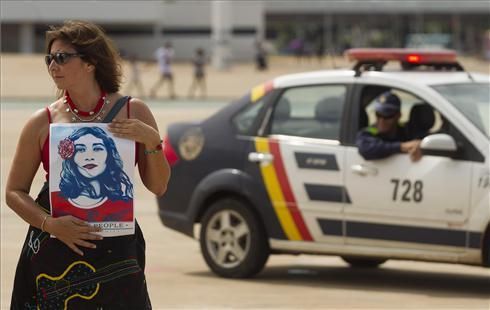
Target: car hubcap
228, 238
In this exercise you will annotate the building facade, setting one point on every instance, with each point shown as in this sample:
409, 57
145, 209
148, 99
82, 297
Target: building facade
139, 27
336, 25
231, 28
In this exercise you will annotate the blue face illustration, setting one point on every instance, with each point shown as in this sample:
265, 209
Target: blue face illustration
90, 156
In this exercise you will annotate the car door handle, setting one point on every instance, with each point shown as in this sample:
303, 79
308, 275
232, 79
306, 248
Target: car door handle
260, 157
364, 170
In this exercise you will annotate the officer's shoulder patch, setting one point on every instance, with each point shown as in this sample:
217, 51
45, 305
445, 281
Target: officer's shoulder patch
372, 130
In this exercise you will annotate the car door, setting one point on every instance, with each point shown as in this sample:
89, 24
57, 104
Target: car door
300, 159
408, 205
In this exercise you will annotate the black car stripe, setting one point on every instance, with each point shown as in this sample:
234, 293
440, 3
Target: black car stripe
401, 233
316, 161
331, 227
406, 233
474, 240
331, 193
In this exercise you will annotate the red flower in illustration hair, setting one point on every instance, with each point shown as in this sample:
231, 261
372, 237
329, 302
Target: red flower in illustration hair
66, 149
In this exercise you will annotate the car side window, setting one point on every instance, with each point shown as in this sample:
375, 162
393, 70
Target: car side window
310, 111
418, 117
245, 119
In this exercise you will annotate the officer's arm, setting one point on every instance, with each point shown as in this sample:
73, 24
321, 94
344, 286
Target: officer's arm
371, 147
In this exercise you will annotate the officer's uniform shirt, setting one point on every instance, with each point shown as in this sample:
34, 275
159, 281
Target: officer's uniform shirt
374, 145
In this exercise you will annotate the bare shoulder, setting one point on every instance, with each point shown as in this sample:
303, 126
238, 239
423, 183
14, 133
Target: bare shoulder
140, 110
39, 119
37, 126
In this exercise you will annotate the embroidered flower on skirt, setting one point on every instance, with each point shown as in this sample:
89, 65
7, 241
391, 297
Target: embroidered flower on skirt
66, 148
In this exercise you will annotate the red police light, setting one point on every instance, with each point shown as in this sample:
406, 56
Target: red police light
413, 58
401, 54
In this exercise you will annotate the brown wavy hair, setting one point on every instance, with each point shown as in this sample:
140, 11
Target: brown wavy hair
97, 48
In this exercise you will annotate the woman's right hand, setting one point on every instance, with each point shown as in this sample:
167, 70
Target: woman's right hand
73, 232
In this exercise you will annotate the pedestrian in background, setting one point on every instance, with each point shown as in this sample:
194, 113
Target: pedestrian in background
260, 56
319, 50
164, 56
199, 79
135, 76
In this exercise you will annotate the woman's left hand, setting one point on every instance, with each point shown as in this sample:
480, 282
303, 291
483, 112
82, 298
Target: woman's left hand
136, 130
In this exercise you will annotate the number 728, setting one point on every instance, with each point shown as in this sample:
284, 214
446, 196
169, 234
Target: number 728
409, 190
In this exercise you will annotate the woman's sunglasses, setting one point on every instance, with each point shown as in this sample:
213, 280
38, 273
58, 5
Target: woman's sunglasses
60, 58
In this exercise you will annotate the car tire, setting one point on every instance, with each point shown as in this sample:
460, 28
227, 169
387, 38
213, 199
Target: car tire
233, 242
363, 262
486, 248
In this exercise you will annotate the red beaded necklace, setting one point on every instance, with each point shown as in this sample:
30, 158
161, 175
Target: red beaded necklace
77, 113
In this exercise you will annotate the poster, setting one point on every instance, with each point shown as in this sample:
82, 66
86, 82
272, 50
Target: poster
91, 176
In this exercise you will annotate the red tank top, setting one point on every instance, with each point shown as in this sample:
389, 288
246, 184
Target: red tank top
45, 149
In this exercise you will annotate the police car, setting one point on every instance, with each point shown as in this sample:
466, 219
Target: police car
278, 171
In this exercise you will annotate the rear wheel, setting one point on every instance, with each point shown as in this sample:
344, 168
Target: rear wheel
486, 247
363, 262
233, 243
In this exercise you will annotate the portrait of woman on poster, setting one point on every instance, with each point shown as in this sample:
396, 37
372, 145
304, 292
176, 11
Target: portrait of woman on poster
93, 185
86, 68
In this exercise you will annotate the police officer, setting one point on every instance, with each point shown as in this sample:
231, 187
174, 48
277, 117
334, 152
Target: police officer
387, 137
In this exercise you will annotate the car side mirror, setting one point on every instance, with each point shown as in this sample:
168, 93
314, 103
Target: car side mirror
440, 144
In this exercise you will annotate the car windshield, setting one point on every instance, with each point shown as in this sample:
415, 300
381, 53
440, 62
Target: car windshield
472, 100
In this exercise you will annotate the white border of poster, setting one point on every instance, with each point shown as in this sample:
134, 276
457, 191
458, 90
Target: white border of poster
91, 176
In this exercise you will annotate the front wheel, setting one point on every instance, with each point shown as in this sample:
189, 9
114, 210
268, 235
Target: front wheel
362, 262
233, 242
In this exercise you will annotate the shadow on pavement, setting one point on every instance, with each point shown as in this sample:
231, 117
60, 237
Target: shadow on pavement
452, 285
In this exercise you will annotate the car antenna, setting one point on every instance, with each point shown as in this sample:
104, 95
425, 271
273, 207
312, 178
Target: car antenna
467, 73
459, 67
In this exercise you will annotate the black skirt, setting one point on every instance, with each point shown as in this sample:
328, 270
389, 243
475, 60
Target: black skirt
50, 275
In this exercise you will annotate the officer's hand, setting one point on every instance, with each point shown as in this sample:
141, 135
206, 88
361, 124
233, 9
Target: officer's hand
416, 154
412, 148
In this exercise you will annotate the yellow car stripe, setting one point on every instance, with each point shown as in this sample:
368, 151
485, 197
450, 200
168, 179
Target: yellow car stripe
257, 92
275, 193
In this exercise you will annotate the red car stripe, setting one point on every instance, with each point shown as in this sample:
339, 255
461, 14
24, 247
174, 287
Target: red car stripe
287, 192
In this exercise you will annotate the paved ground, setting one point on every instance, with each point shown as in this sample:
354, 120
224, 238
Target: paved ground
177, 275
179, 279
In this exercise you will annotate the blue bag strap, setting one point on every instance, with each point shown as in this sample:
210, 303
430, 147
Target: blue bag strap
115, 109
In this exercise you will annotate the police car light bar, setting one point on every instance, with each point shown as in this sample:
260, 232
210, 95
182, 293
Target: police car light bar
402, 55
376, 58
